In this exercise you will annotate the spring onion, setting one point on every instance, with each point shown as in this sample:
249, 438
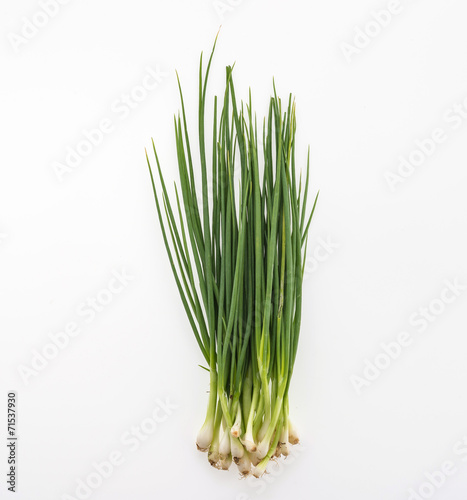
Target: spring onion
237, 252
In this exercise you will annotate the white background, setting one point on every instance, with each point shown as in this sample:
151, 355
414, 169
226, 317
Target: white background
392, 249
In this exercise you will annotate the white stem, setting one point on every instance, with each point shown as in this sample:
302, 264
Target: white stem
248, 441
235, 431
205, 434
293, 434
283, 441
244, 464
213, 454
226, 462
224, 447
237, 449
213, 458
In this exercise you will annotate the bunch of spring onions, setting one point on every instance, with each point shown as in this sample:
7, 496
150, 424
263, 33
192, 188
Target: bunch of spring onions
237, 254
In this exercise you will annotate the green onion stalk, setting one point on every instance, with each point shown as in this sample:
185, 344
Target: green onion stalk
237, 252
